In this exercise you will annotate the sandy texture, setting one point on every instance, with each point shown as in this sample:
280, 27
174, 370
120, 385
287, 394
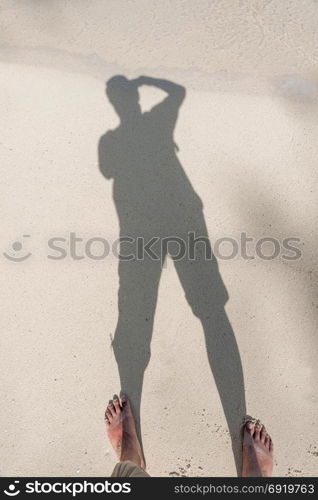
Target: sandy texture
247, 137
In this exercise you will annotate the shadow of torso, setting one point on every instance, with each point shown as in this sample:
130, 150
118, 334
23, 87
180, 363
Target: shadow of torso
152, 192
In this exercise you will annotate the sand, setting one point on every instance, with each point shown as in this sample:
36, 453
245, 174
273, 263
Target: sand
247, 137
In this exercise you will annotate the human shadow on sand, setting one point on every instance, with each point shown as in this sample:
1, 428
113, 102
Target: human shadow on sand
154, 198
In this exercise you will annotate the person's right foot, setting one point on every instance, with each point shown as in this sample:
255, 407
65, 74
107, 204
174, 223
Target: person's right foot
121, 431
257, 451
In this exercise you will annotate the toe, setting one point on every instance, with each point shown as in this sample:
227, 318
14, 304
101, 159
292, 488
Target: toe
116, 404
108, 416
263, 435
257, 431
111, 408
123, 400
271, 444
249, 427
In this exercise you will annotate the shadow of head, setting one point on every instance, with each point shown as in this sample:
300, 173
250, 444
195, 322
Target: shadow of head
123, 95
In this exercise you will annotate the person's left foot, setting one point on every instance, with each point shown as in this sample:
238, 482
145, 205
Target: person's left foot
257, 451
121, 431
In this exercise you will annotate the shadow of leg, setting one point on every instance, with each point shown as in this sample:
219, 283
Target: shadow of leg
207, 296
225, 363
137, 299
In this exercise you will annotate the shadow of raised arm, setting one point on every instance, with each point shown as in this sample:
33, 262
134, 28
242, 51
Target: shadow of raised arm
173, 90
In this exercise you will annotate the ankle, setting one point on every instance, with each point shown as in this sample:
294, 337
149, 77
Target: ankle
130, 456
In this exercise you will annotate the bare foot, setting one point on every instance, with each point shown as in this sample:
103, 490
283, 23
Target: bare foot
257, 451
121, 431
